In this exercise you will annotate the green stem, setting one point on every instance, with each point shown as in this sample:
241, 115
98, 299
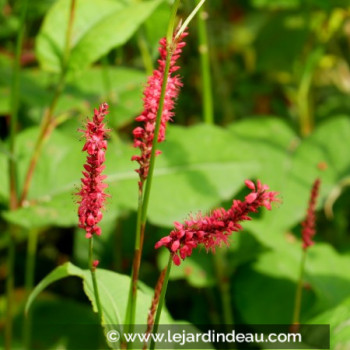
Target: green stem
94, 280
10, 287
131, 305
224, 286
203, 49
144, 193
13, 175
67, 46
222, 87
155, 141
299, 290
189, 19
304, 91
145, 54
106, 79
161, 301
48, 123
14, 105
29, 283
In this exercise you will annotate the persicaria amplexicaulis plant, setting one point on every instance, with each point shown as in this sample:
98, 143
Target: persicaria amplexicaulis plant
213, 230
308, 230
92, 196
144, 135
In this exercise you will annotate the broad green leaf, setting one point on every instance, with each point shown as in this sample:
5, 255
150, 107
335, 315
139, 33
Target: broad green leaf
113, 291
155, 24
326, 283
60, 272
339, 320
290, 167
196, 269
82, 91
199, 167
124, 97
59, 323
98, 27
323, 154
269, 141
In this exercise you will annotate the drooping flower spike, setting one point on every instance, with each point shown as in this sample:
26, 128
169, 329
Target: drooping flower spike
92, 196
143, 135
308, 225
214, 230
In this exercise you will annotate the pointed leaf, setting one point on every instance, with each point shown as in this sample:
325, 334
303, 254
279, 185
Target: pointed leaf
98, 27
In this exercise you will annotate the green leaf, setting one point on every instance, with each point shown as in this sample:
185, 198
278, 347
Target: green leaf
339, 320
290, 167
199, 167
98, 27
82, 91
327, 283
196, 269
124, 97
60, 272
59, 323
113, 291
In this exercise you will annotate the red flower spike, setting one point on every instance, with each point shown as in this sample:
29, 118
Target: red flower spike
214, 230
308, 230
143, 135
92, 196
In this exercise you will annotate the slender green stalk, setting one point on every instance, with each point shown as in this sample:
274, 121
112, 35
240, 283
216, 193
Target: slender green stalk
145, 54
159, 113
94, 280
304, 91
15, 84
131, 306
207, 97
10, 262
47, 126
106, 79
14, 104
144, 50
145, 194
222, 86
161, 301
189, 19
299, 291
48, 123
154, 145
67, 46
224, 286
29, 283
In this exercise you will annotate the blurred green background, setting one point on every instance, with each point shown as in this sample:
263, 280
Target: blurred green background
280, 84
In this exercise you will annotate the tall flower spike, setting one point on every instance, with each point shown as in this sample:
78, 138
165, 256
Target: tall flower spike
143, 135
214, 230
308, 230
92, 196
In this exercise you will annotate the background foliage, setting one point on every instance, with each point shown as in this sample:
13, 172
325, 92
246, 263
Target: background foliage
280, 78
